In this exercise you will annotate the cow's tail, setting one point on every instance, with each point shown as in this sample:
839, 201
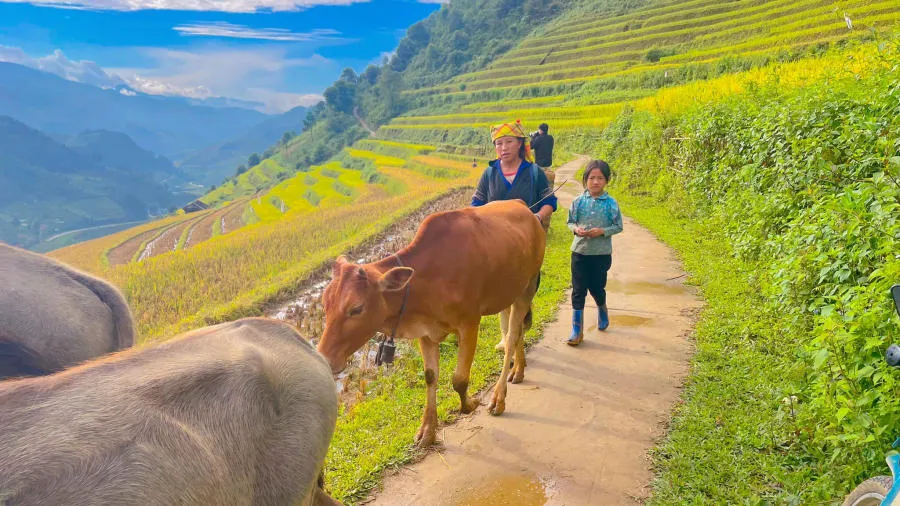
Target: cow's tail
528, 319
113, 298
18, 360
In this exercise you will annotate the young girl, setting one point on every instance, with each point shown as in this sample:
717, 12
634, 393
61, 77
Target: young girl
593, 218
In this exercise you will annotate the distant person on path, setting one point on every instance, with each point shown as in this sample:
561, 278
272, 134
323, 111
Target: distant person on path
542, 144
594, 217
514, 175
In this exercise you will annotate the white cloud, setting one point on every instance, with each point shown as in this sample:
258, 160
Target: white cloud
189, 5
82, 71
224, 29
154, 87
280, 101
243, 78
382, 58
246, 74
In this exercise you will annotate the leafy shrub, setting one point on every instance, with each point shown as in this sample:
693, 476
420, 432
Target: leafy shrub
804, 185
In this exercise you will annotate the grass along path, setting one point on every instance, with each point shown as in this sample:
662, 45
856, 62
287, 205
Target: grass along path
578, 429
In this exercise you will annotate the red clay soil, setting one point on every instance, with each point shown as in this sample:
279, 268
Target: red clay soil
234, 216
202, 230
123, 253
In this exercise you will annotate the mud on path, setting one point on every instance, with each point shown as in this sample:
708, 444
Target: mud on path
304, 309
577, 431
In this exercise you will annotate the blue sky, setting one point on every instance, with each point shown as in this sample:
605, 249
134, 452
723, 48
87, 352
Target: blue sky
274, 54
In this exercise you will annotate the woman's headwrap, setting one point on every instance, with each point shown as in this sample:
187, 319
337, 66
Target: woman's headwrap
513, 130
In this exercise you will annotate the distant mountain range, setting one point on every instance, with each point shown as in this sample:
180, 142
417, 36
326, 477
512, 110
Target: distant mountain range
213, 163
117, 150
100, 177
74, 155
169, 126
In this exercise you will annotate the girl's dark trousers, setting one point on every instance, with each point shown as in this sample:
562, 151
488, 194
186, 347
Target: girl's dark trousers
589, 275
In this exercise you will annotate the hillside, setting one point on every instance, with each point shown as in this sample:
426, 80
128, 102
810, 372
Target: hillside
47, 187
118, 151
167, 126
213, 163
433, 50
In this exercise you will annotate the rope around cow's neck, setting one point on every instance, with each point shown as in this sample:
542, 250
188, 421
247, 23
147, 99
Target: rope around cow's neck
531, 207
381, 355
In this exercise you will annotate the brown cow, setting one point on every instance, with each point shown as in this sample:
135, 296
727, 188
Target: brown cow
53, 316
461, 265
235, 414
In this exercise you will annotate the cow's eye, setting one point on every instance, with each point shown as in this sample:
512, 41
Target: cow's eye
355, 311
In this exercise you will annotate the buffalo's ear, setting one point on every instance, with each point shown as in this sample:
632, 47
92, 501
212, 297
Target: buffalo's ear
395, 279
336, 268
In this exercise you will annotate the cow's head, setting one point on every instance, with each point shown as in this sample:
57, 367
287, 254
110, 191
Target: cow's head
356, 306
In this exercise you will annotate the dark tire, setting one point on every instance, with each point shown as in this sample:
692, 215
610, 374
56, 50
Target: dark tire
870, 492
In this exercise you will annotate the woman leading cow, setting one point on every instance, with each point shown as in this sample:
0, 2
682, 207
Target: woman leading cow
514, 175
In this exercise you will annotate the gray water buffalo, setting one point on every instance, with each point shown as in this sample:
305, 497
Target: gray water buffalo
53, 316
240, 413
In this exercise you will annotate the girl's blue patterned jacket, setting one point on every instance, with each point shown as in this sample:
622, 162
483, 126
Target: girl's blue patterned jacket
594, 212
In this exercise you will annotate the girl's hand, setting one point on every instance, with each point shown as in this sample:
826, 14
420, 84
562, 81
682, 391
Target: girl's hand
596, 232
579, 231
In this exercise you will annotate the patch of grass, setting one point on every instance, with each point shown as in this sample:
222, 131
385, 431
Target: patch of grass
725, 424
378, 432
342, 188
313, 197
260, 176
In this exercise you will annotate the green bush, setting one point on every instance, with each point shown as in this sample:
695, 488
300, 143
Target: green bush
804, 188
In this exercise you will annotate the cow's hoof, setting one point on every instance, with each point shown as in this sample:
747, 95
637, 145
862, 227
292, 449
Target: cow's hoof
425, 437
516, 377
497, 407
469, 406
501, 346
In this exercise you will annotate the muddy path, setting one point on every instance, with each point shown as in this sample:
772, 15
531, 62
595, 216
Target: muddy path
304, 309
578, 430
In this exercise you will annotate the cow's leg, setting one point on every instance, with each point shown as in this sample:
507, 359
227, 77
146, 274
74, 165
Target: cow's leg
517, 347
431, 356
468, 339
524, 305
516, 317
504, 329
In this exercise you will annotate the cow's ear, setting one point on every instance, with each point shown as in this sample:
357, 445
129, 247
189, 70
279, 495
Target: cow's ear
395, 279
336, 268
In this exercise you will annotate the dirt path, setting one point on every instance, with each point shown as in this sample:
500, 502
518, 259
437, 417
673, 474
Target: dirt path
362, 121
577, 430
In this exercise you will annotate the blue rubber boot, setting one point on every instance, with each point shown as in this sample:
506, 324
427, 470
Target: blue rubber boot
603, 318
577, 323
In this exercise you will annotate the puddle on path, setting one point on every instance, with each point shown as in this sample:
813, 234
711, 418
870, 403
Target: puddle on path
510, 490
645, 287
629, 320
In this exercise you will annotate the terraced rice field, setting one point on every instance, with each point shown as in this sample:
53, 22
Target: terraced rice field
582, 70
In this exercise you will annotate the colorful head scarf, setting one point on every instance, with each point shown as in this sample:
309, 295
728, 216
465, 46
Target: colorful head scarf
513, 130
